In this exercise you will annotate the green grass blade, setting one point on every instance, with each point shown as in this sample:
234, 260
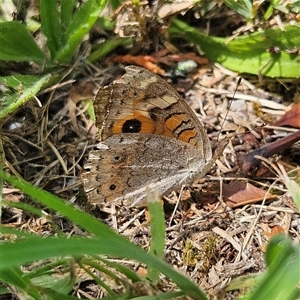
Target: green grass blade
66, 13
108, 47
37, 248
294, 189
164, 296
13, 232
243, 7
17, 44
54, 295
283, 275
82, 22
80, 218
15, 277
158, 229
123, 269
49, 268
50, 25
34, 211
97, 279
106, 241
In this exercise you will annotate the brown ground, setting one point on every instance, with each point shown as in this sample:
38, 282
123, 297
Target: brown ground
206, 238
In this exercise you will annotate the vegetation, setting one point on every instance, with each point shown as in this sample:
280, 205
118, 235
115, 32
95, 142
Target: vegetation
54, 249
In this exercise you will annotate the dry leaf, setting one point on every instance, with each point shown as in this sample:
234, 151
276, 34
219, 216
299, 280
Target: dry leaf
175, 7
269, 233
145, 61
290, 118
241, 193
82, 91
142, 272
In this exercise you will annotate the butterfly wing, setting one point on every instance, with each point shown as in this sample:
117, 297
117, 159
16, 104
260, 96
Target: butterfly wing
150, 137
142, 102
125, 164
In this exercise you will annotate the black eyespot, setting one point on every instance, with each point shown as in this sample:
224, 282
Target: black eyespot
118, 157
132, 126
112, 187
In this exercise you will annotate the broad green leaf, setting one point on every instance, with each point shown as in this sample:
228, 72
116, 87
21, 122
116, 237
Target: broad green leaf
252, 53
17, 44
19, 90
81, 24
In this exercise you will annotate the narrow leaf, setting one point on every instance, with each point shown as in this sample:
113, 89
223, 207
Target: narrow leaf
66, 14
158, 229
81, 24
50, 24
106, 241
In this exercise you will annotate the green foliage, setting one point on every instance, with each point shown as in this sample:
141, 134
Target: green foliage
81, 24
243, 7
64, 27
108, 47
19, 89
99, 240
158, 230
285, 7
11, 33
252, 53
294, 189
292, 186
89, 251
64, 24
283, 274
249, 9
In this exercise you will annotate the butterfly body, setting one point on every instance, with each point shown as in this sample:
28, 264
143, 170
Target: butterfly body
150, 137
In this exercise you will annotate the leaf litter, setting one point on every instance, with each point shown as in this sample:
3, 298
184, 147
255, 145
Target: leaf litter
208, 238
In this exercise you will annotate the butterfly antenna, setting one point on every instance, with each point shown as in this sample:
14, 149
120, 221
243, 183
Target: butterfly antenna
237, 85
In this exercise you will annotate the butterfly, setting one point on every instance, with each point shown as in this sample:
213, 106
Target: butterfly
150, 139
